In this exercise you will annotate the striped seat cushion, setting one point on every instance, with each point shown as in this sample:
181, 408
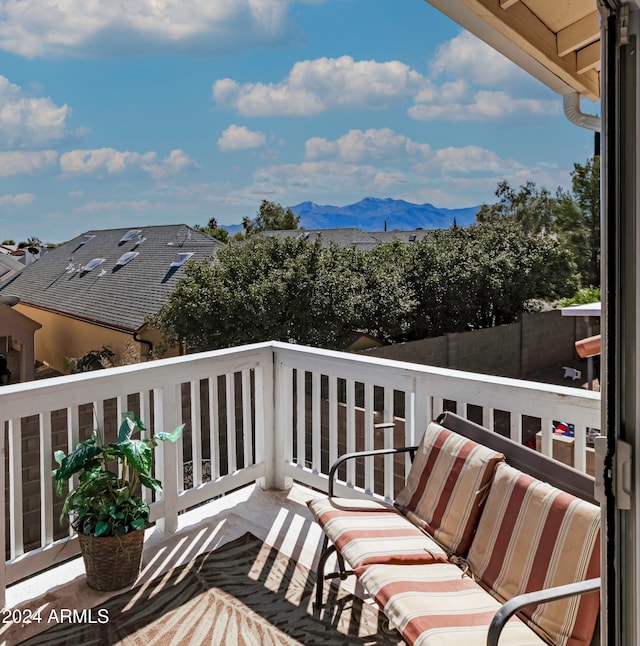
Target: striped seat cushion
367, 531
447, 485
434, 605
533, 536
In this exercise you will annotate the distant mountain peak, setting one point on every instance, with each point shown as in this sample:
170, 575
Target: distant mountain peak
377, 214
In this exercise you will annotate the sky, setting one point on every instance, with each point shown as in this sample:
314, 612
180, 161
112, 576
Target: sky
148, 112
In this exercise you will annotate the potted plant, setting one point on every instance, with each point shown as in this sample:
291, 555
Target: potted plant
109, 515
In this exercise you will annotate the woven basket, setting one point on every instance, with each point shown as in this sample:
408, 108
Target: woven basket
112, 562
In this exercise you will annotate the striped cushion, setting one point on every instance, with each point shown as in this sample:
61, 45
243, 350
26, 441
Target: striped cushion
435, 605
367, 531
447, 485
533, 536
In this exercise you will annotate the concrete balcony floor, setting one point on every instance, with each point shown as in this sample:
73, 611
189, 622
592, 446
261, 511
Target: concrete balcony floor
279, 518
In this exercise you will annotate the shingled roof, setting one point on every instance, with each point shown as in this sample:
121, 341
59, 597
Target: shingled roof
111, 291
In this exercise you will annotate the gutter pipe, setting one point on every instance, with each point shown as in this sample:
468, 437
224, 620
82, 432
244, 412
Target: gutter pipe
576, 116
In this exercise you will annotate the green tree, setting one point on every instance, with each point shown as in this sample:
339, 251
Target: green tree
270, 217
212, 229
482, 276
578, 220
286, 290
532, 208
8, 242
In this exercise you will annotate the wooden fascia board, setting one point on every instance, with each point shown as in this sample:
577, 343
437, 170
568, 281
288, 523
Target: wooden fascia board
527, 32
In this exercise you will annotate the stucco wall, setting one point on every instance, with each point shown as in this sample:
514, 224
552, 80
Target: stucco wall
61, 337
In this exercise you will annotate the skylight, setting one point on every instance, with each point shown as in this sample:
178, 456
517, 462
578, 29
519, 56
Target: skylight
126, 257
87, 238
92, 264
181, 258
130, 235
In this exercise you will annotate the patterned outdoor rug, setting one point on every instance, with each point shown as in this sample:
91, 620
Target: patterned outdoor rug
244, 593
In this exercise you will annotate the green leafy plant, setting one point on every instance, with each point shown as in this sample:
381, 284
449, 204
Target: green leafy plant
106, 501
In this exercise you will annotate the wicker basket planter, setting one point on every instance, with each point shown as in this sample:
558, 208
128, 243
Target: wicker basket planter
112, 562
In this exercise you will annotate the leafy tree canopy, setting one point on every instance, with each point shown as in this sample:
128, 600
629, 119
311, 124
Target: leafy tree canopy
270, 217
295, 290
212, 229
573, 217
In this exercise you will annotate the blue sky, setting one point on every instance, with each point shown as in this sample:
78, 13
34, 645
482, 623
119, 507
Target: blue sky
148, 112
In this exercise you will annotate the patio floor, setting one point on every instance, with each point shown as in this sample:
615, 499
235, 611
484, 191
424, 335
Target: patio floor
279, 518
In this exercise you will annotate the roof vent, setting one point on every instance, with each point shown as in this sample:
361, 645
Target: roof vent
92, 264
102, 273
87, 238
139, 240
130, 235
126, 258
181, 258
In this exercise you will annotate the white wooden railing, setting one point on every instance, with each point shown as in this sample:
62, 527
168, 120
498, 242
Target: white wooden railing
271, 412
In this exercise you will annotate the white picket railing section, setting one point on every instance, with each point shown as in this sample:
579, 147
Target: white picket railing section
273, 412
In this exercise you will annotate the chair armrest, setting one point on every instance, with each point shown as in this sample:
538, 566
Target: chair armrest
512, 606
362, 454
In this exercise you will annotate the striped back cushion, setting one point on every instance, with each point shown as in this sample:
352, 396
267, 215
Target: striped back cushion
533, 536
447, 485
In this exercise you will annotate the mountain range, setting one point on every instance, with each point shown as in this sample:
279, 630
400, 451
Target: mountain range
376, 214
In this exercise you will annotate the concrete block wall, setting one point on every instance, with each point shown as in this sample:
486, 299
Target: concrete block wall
537, 341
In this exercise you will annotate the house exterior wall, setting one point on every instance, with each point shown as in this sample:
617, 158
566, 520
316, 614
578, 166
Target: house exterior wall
62, 337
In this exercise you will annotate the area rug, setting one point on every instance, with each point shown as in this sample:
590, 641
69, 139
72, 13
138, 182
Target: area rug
244, 593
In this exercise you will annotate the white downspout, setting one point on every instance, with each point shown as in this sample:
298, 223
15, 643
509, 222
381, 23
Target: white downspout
575, 115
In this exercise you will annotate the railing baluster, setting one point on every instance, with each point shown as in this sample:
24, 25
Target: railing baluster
316, 430
351, 428
301, 418
145, 416
231, 423
214, 428
196, 433
369, 482
388, 433
580, 448
333, 420
15, 482
260, 413
515, 427
487, 417
546, 443
167, 413
246, 418
46, 482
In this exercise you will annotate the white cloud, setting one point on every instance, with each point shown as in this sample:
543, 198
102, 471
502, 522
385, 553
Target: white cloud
484, 106
110, 161
240, 138
14, 163
469, 159
358, 145
315, 86
177, 162
21, 199
467, 57
28, 120
45, 27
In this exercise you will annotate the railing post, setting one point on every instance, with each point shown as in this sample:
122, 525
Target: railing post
167, 405
278, 416
3, 546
